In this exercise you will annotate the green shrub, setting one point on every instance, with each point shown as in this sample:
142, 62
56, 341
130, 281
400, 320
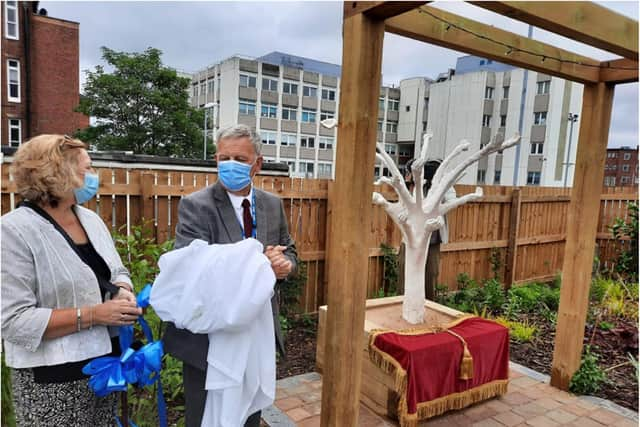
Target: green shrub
606, 326
494, 297
290, 290
519, 331
532, 296
627, 262
391, 270
589, 377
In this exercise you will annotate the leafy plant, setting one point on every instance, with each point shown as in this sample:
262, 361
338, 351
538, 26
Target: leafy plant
495, 259
589, 377
284, 324
493, 295
634, 362
519, 331
606, 326
391, 269
290, 290
627, 262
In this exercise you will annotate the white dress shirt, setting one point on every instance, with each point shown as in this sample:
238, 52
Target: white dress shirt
236, 202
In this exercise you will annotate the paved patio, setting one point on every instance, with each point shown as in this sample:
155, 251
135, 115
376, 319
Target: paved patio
530, 401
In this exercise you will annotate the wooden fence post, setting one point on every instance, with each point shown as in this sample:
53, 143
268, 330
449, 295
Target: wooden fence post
147, 180
512, 247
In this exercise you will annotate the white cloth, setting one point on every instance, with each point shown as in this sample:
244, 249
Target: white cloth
225, 292
236, 202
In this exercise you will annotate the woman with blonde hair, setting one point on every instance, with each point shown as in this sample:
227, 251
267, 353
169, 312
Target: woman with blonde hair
64, 287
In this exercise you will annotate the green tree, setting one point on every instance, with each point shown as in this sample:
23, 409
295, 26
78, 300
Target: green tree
141, 106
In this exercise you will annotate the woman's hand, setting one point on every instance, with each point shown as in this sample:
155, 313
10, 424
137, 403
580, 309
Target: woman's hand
116, 312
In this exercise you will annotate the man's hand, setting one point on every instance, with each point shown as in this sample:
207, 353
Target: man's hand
279, 263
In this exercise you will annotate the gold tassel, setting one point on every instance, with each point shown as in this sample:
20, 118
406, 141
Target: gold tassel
466, 365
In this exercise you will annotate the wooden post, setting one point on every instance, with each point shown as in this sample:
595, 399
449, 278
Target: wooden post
582, 223
146, 201
351, 217
512, 248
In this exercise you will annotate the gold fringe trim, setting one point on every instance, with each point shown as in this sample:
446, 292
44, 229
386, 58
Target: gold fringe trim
440, 405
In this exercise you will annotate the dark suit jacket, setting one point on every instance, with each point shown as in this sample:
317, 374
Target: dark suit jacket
208, 215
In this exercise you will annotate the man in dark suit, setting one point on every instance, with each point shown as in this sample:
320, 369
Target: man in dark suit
227, 212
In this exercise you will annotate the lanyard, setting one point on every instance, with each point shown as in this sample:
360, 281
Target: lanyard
253, 216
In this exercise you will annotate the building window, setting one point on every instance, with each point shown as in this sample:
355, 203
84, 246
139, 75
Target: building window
407, 108
540, 118
505, 92
289, 88
15, 132
424, 126
613, 167
542, 88
533, 178
612, 155
325, 143
503, 120
610, 181
324, 170
488, 92
329, 94
394, 105
627, 156
195, 90
486, 120
247, 107
288, 139
289, 113
537, 147
269, 110
405, 150
496, 176
247, 81
203, 87
624, 180
307, 141
310, 91
482, 175
308, 116
381, 103
379, 126
268, 138
391, 149
324, 115
13, 80
482, 62
269, 85
210, 86
625, 168
291, 164
306, 169
11, 19
392, 127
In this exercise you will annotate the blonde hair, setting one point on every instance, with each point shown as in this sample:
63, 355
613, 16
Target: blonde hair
44, 168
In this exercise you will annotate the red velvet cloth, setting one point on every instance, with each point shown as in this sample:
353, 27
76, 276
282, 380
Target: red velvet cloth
432, 361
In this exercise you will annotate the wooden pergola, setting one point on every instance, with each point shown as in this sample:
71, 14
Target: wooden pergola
364, 25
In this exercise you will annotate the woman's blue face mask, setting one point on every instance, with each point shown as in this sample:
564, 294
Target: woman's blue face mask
234, 175
89, 189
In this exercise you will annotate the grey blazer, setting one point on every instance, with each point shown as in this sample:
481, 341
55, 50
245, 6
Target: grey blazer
208, 215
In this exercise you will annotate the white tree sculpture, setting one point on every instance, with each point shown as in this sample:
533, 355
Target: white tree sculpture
418, 216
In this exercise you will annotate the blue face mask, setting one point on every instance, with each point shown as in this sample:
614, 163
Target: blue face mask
88, 190
234, 175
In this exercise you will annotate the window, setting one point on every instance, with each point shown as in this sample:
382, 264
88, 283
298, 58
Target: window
291, 164
613, 167
505, 92
289, 113
503, 120
269, 84
394, 105
247, 107
310, 91
488, 92
405, 150
203, 88
195, 90
325, 143
625, 168
391, 149
482, 62
288, 139
392, 127
540, 118
308, 116
269, 110
269, 159
543, 87
306, 169
324, 115
268, 137
381, 103
533, 178
482, 175
627, 156
329, 94
536, 147
379, 126
307, 141
486, 120
624, 180
290, 88
424, 126
324, 170
15, 132
13, 80
210, 86
247, 81
496, 176
610, 181
11, 19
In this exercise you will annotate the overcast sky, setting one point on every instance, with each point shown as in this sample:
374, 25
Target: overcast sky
192, 35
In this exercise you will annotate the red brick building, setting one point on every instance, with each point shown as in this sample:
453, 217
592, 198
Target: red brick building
40, 73
621, 168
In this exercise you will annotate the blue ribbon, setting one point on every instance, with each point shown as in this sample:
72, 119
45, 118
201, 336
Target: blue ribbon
141, 367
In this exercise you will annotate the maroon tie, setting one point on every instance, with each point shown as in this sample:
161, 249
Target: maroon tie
246, 218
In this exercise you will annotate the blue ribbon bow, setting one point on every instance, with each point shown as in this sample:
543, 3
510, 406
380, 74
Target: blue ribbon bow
141, 367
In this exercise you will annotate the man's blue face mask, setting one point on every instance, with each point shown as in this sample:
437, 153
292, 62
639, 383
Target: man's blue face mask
88, 190
234, 175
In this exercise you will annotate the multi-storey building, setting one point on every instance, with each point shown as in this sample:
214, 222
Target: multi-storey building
40, 74
621, 167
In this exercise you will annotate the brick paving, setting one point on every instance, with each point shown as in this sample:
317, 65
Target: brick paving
530, 401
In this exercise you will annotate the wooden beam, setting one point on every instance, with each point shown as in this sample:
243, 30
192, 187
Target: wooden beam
351, 218
379, 9
512, 248
609, 73
582, 225
428, 24
583, 21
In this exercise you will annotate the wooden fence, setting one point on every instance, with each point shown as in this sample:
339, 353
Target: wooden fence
525, 227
